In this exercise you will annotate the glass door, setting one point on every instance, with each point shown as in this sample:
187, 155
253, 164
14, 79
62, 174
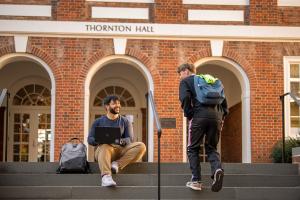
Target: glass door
43, 137
20, 140
29, 140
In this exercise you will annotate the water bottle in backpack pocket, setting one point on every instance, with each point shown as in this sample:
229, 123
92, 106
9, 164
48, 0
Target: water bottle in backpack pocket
73, 157
209, 90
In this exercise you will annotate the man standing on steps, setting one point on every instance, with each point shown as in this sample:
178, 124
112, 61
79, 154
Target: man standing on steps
205, 121
112, 157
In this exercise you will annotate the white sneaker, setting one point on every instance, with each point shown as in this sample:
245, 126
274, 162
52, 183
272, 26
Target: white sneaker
107, 181
114, 167
195, 185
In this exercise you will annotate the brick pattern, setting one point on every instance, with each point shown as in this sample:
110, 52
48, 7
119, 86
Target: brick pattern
263, 12
70, 10
289, 16
71, 58
6, 45
259, 12
171, 11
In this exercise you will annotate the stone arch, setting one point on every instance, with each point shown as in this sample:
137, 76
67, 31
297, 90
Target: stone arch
244, 80
8, 58
142, 68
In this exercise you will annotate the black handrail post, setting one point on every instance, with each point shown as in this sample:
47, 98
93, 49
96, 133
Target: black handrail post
283, 128
159, 132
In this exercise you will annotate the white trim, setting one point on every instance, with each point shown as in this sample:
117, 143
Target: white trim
216, 15
148, 30
245, 85
184, 142
25, 10
288, 3
216, 47
124, 1
217, 2
21, 43
120, 13
287, 60
20, 56
145, 72
120, 45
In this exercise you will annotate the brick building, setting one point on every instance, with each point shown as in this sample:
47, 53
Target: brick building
59, 59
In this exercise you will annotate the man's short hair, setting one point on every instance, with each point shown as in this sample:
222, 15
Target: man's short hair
109, 99
185, 66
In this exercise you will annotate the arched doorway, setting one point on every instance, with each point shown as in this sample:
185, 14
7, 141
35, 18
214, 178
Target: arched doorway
30, 124
237, 88
30, 83
129, 79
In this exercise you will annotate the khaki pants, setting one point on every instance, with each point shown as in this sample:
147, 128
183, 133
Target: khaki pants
106, 153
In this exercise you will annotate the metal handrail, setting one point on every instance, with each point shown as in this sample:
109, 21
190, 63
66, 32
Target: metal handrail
296, 99
159, 132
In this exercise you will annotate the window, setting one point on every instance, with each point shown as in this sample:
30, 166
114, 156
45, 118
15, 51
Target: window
124, 95
32, 95
292, 84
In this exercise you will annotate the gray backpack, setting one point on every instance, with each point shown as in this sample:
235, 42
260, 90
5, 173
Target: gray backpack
73, 157
209, 93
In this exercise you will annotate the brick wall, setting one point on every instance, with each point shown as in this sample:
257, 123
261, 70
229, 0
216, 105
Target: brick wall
71, 58
259, 12
263, 12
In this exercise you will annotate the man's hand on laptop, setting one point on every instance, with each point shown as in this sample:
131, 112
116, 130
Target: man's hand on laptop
124, 141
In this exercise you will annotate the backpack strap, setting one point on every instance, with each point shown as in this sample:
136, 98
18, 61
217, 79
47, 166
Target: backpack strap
74, 138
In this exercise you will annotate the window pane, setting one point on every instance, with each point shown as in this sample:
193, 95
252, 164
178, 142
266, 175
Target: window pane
17, 100
17, 117
38, 89
295, 88
97, 102
29, 88
17, 128
119, 90
126, 94
110, 90
295, 122
294, 109
21, 93
130, 103
294, 71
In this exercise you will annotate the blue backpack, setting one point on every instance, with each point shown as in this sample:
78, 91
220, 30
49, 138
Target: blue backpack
209, 90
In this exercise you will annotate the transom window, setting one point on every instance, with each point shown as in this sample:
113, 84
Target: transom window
32, 95
124, 95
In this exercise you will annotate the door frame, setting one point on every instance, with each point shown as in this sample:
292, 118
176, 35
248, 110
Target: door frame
33, 135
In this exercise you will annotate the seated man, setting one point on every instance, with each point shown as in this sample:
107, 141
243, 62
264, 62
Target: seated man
112, 157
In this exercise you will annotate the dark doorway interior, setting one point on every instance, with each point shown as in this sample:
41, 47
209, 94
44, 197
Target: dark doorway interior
2, 121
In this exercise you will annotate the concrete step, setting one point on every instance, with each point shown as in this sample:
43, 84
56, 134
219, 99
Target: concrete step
148, 192
151, 168
145, 180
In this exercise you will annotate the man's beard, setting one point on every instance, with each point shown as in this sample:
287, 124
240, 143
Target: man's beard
112, 111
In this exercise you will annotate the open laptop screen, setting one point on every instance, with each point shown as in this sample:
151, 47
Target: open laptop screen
107, 135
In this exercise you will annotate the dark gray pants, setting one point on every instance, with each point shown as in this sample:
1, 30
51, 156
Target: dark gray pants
210, 128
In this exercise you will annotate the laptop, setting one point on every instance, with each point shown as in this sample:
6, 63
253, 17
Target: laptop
107, 135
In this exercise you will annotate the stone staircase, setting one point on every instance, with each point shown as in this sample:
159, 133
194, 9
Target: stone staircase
139, 181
